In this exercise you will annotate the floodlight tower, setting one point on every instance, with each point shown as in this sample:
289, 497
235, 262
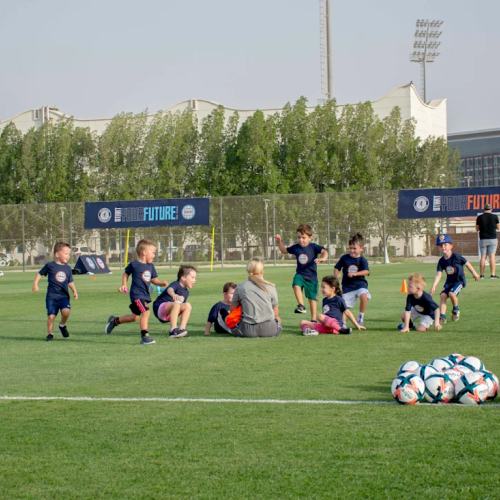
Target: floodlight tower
325, 47
425, 47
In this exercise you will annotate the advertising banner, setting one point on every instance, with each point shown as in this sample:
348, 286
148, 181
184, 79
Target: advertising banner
458, 202
147, 213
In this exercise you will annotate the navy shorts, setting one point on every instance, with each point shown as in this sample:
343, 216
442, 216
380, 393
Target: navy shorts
139, 306
452, 287
54, 306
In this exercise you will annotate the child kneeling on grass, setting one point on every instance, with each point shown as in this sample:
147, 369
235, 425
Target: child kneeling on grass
219, 311
172, 302
333, 309
419, 305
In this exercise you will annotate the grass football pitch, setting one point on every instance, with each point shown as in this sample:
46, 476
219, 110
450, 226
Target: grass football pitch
144, 445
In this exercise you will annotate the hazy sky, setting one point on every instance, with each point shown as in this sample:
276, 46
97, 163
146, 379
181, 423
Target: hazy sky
97, 58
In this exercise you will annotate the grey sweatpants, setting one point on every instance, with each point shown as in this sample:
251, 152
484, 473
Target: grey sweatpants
269, 328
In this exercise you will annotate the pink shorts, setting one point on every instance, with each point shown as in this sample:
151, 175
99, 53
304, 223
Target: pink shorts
328, 325
162, 312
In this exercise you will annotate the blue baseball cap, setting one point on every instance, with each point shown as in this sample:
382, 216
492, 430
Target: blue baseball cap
443, 238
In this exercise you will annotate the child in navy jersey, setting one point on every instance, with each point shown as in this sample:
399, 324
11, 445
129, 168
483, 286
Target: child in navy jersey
172, 303
419, 305
143, 273
453, 265
354, 269
221, 310
334, 308
306, 277
60, 278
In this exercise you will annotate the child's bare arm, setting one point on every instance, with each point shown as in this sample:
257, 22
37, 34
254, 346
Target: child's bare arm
436, 281
35, 283
353, 320
437, 324
366, 272
156, 281
124, 282
280, 244
336, 272
324, 256
207, 328
406, 327
468, 265
73, 289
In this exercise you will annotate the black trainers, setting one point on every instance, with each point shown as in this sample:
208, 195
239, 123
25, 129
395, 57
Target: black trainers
300, 309
494, 277
345, 331
49, 337
64, 331
177, 333
146, 340
481, 276
110, 325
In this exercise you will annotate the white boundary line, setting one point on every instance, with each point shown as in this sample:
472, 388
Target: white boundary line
215, 400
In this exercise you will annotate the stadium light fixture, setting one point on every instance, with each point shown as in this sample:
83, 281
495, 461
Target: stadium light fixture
425, 46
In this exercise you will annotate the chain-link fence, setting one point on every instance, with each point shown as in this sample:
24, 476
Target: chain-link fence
243, 227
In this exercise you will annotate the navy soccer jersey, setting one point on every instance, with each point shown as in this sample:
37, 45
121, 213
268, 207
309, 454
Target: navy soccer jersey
58, 276
178, 290
306, 267
454, 268
214, 312
424, 305
142, 274
348, 264
334, 307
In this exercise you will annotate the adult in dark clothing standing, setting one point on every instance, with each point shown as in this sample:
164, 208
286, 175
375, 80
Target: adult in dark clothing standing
487, 224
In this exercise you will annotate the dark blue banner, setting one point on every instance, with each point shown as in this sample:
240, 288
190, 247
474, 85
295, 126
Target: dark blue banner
458, 202
147, 213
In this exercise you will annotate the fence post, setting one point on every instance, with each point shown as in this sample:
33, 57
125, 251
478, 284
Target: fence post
386, 254
71, 227
120, 246
24, 245
221, 236
274, 228
328, 223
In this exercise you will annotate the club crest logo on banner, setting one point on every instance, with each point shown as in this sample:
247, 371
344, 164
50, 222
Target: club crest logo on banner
421, 204
104, 215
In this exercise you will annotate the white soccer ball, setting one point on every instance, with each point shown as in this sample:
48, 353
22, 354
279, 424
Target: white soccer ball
472, 363
455, 358
408, 389
441, 364
471, 389
409, 366
492, 382
463, 369
425, 370
454, 374
439, 389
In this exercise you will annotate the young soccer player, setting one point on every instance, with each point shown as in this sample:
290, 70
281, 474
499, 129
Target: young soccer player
143, 273
453, 264
419, 305
334, 308
59, 277
172, 302
221, 310
354, 269
306, 277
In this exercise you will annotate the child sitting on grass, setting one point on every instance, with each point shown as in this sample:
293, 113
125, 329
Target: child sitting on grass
172, 302
221, 310
333, 309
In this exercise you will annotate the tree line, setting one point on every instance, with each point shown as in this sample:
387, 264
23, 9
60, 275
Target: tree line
172, 155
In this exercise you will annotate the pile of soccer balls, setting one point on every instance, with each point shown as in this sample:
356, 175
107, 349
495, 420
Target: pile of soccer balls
455, 378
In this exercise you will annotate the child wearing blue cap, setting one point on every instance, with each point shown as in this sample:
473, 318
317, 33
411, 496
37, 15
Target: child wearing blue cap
452, 264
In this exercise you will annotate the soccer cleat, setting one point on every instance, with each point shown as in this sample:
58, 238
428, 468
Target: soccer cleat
442, 319
455, 315
110, 325
309, 332
300, 309
146, 340
49, 337
494, 277
481, 277
177, 333
64, 331
345, 331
